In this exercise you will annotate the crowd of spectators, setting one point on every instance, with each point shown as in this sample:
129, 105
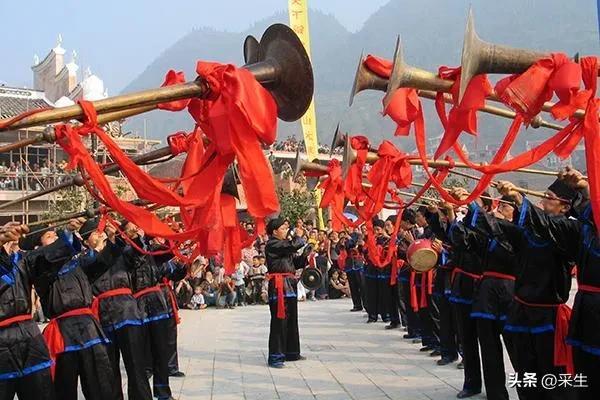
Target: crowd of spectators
23, 175
207, 285
291, 144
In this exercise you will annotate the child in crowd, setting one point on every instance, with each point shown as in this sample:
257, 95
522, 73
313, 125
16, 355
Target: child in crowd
257, 275
197, 301
240, 284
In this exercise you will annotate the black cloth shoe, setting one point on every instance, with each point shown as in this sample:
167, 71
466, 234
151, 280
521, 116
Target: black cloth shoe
393, 325
177, 374
435, 353
356, 309
425, 348
460, 365
278, 365
410, 336
370, 320
463, 394
445, 361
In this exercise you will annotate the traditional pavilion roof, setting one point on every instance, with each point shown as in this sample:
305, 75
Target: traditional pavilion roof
14, 101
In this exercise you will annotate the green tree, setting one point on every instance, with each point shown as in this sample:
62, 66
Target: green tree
295, 204
68, 201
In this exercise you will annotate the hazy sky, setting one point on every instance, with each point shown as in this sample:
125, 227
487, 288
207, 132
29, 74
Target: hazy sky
118, 39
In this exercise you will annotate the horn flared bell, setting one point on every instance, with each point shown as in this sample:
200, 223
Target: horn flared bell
365, 79
481, 57
251, 50
338, 140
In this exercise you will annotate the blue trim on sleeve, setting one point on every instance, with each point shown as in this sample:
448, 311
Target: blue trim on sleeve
493, 244
523, 213
26, 371
528, 329
68, 267
475, 216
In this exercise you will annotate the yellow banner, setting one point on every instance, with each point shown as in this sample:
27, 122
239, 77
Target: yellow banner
298, 10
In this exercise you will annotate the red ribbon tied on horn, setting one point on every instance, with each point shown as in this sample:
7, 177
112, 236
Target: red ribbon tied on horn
462, 117
333, 193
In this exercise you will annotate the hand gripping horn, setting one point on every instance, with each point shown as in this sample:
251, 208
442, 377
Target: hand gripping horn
284, 69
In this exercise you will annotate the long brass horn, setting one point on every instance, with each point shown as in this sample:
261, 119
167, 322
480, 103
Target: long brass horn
302, 165
481, 57
285, 71
405, 75
365, 79
372, 156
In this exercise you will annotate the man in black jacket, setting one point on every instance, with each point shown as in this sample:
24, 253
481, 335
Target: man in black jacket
74, 336
158, 310
24, 359
282, 262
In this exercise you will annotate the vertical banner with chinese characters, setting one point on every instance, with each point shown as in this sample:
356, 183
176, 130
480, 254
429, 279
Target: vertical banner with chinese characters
298, 10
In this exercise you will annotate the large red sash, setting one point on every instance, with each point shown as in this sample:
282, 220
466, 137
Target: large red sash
279, 287
53, 336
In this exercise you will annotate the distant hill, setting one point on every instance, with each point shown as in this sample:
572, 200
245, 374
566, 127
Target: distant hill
431, 32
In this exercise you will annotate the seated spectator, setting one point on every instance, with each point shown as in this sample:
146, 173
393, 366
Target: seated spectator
197, 301
345, 284
257, 273
209, 289
336, 288
197, 271
226, 295
183, 293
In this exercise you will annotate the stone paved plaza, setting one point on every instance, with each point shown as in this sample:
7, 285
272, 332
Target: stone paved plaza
223, 353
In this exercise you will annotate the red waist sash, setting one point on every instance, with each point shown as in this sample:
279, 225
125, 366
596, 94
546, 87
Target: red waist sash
5, 323
563, 353
158, 288
499, 275
165, 284
426, 289
457, 270
279, 287
107, 294
53, 336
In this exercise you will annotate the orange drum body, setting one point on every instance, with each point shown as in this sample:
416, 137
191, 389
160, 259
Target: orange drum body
421, 256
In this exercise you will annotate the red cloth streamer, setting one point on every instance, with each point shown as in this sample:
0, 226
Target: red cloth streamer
54, 338
239, 115
463, 116
353, 184
414, 303
526, 93
333, 193
396, 266
279, 288
174, 78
